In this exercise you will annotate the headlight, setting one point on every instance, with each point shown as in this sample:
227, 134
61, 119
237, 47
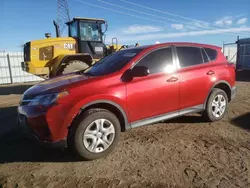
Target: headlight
46, 100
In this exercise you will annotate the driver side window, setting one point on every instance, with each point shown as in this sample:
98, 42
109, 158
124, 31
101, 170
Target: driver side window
157, 61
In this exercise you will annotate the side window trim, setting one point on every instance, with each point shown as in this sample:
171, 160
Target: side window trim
151, 51
177, 57
209, 60
202, 56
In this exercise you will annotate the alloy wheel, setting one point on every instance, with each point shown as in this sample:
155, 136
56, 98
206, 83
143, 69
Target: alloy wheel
218, 106
99, 135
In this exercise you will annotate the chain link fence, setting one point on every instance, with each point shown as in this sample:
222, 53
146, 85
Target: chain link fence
11, 70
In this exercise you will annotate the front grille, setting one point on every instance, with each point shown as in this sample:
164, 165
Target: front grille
26, 52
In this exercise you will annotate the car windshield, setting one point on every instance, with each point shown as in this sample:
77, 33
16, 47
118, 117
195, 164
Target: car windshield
113, 62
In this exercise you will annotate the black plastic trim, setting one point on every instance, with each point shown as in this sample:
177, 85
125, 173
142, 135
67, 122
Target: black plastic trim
233, 92
127, 125
216, 83
167, 116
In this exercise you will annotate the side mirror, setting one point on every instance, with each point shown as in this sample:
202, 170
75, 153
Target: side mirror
127, 76
140, 71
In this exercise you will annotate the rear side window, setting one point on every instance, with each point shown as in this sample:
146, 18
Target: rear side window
189, 56
212, 54
157, 60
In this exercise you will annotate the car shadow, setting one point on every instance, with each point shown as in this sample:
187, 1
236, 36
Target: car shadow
243, 76
14, 89
242, 121
193, 118
8, 117
15, 147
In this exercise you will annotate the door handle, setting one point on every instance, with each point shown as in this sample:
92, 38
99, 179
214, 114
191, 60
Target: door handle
210, 72
172, 79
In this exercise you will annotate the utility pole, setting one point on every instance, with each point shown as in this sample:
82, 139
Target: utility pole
62, 14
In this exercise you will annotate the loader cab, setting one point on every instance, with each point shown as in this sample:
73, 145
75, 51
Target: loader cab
88, 33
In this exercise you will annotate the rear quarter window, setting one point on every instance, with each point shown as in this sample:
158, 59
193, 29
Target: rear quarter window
212, 54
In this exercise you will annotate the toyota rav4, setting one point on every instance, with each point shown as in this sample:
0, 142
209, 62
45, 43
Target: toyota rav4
87, 110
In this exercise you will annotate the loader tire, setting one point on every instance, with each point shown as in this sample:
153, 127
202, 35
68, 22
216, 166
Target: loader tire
74, 66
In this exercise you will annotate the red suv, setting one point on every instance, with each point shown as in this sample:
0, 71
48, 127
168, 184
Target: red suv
87, 110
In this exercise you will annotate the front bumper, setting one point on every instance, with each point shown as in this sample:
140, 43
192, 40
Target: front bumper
233, 92
30, 134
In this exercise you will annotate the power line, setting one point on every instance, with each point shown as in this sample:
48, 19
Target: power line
191, 19
112, 4
176, 15
148, 14
90, 4
98, 6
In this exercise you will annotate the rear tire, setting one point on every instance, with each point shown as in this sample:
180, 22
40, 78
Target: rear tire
74, 66
216, 106
96, 135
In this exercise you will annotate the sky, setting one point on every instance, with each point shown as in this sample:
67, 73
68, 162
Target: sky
131, 21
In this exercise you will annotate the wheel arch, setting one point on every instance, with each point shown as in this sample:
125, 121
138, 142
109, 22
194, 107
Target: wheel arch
108, 105
224, 85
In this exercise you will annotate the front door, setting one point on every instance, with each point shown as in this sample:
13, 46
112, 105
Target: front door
157, 93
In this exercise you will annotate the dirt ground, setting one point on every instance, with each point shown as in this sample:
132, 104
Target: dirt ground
184, 152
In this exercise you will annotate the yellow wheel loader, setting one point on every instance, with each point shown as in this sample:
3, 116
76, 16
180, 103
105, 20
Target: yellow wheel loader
61, 55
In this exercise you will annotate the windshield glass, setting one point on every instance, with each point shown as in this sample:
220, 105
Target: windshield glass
113, 62
89, 31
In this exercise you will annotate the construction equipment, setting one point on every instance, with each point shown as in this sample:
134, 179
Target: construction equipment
61, 55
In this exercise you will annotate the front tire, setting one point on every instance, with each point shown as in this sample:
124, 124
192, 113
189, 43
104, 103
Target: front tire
96, 135
216, 106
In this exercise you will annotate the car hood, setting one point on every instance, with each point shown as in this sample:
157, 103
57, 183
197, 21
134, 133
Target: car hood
55, 84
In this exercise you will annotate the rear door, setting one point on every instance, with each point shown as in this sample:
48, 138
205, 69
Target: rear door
195, 76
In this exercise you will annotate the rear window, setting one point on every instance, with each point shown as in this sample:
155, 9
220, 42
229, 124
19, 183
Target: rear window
212, 54
189, 56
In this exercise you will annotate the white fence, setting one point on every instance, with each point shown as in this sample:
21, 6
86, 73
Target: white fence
11, 70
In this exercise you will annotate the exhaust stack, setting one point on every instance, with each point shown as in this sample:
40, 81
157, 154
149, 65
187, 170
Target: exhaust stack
57, 28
